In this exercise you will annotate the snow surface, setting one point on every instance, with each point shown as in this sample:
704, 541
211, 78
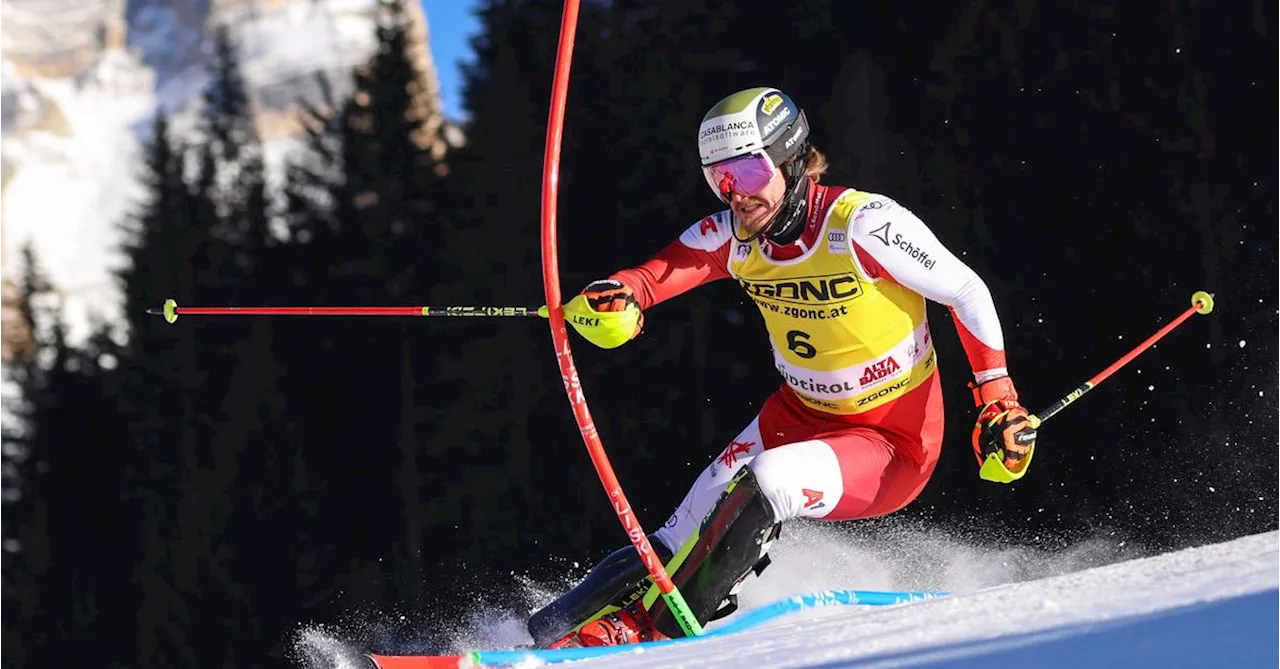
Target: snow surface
1212, 606
1216, 605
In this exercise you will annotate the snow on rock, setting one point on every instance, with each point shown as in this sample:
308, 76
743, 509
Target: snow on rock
66, 154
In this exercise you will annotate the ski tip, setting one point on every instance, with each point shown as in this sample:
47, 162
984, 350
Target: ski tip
419, 661
1202, 301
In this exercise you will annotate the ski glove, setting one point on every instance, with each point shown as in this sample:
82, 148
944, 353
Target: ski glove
1004, 438
605, 313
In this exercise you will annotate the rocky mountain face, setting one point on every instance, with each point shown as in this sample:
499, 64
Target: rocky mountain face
79, 81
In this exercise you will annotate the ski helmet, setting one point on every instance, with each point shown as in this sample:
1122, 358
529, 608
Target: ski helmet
766, 123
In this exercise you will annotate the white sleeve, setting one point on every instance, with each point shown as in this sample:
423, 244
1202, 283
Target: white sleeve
909, 253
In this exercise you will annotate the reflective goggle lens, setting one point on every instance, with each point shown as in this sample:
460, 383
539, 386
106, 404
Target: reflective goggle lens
745, 175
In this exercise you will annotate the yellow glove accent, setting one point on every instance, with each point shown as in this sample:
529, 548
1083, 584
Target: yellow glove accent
993, 468
606, 329
606, 313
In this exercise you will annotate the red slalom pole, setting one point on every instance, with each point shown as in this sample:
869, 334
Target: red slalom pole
560, 338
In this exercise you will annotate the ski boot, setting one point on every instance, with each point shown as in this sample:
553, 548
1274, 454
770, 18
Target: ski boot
617, 582
624, 626
730, 545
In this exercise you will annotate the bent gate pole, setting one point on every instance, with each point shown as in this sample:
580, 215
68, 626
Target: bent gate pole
559, 336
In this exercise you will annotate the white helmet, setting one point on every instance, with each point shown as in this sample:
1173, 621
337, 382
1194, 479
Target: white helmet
752, 120
741, 142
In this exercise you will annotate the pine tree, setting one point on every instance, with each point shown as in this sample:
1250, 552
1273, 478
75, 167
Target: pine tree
26, 541
238, 174
62, 445
228, 485
364, 203
390, 204
245, 567
499, 374
164, 241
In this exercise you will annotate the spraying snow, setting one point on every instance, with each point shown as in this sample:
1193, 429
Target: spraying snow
810, 556
315, 647
905, 555
1208, 606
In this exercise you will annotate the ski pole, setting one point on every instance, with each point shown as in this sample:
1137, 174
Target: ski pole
993, 468
1201, 303
171, 311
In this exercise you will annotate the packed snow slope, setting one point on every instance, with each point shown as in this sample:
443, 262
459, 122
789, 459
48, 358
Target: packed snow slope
1212, 606
1090, 603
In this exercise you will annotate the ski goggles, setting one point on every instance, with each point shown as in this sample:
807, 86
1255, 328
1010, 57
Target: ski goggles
745, 175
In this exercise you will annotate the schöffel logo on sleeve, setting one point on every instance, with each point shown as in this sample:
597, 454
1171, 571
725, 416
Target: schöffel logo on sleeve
917, 254
881, 233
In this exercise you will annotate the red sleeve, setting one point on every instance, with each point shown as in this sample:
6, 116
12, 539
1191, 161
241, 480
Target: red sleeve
870, 266
699, 256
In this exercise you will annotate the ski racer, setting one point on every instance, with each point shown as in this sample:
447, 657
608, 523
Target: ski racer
840, 277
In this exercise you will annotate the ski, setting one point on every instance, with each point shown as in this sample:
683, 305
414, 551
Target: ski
751, 619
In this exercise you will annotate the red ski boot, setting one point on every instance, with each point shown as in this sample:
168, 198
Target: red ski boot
627, 626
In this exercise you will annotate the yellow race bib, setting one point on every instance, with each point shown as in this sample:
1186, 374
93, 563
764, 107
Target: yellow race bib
844, 342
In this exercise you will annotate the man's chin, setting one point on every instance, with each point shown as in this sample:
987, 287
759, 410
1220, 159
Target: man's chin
755, 221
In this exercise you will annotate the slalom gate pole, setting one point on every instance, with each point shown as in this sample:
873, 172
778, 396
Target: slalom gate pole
171, 311
993, 467
560, 338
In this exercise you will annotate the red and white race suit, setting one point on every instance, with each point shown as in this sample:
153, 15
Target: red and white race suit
855, 428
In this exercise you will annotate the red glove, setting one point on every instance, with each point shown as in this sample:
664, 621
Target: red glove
1002, 427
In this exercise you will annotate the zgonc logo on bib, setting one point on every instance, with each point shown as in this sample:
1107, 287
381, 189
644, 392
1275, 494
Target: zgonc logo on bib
812, 290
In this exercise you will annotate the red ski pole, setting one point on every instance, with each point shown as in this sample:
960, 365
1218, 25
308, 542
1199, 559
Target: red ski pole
564, 355
171, 311
993, 468
1201, 303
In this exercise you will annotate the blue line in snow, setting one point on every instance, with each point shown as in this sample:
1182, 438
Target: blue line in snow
755, 618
